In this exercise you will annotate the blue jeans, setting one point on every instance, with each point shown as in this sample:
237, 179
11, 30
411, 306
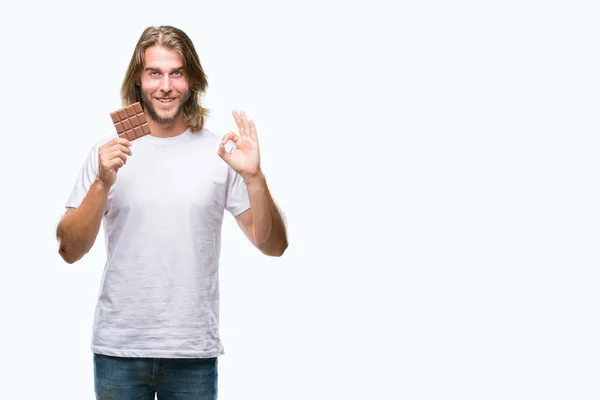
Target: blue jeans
118, 378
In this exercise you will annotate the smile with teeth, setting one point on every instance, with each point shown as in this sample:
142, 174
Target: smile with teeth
165, 100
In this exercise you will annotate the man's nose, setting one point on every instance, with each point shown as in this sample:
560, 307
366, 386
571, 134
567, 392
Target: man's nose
165, 83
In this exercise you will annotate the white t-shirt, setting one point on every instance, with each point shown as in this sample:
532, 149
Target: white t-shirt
159, 295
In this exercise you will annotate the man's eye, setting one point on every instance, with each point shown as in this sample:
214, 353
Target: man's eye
177, 73
153, 73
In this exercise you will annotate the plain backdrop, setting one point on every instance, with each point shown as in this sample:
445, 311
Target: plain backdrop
436, 162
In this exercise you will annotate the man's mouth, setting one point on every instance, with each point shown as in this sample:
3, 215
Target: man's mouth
165, 100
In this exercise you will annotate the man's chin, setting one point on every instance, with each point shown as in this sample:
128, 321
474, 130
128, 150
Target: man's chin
164, 118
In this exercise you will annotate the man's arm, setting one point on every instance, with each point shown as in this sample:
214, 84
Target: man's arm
78, 228
263, 223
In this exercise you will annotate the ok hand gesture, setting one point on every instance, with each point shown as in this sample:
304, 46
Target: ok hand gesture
245, 159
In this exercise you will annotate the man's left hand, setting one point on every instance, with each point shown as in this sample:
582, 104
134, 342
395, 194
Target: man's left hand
245, 158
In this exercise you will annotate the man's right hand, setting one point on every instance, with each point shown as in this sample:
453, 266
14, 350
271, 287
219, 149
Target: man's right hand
111, 156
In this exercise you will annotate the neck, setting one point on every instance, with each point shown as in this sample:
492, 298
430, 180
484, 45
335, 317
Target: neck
175, 128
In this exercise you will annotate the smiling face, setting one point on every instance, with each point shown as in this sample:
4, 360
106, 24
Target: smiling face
164, 86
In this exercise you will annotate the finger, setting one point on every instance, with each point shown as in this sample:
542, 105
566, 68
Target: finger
230, 136
117, 154
245, 124
118, 141
122, 148
126, 150
124, 141
252, 130
115, 142
238, 121
116, 164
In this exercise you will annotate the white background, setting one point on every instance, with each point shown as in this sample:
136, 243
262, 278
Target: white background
437, 164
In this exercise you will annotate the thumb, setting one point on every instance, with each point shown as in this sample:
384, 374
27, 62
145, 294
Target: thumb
222, 150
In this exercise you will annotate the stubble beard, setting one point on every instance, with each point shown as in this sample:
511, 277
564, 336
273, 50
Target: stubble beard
147, 103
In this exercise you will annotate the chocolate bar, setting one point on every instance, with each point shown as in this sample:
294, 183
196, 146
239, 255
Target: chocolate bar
130, 122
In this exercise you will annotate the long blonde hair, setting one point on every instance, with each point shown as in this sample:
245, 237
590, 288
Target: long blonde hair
175, 39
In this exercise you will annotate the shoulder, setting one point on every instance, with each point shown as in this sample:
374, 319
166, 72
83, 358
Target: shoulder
205, 135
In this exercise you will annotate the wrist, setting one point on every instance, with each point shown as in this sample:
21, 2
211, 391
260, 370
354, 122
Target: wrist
253, 179
101, 185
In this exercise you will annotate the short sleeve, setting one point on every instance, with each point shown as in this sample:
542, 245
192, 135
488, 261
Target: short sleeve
237, 200
85, 178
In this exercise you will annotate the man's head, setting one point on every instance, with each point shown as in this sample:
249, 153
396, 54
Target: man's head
166, 76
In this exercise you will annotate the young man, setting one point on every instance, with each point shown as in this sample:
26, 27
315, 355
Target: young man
162, 199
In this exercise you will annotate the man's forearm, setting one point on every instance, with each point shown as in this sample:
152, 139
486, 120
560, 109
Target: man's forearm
269, 229
77, 231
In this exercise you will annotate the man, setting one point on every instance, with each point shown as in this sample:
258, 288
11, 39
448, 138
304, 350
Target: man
162, 199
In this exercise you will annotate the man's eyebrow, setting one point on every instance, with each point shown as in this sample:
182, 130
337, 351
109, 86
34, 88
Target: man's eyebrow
159, 70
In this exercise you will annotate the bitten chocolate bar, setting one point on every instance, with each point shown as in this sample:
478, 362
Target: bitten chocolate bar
130, 122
